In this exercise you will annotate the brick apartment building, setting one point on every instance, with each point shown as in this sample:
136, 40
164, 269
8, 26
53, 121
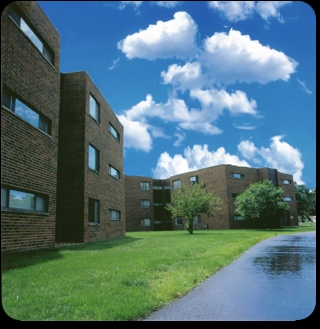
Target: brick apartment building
91, 197
79, 198
62, 177
30, 90
146, 197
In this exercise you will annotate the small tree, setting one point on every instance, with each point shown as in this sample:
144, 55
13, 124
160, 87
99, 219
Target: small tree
191, 201
306, 201
262, 202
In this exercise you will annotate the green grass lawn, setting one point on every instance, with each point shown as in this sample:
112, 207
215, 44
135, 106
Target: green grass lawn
120, 279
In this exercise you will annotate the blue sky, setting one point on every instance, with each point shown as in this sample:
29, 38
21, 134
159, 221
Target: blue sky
200, 83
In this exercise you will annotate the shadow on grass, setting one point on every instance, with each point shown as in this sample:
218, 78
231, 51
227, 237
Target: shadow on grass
10, 261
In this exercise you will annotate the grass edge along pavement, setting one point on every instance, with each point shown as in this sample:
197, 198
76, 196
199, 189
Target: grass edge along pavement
120, 279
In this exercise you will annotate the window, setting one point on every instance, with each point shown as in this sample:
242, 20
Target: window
114, 214
292, 216
287, 198
158, 204
145, 203
93, 158
94, 109
286, 181
238, 176
237, 217
178, 221
114, 172
16, 199
114, 132
193, 180
93, 211
197, 220
234, 195
145, 222
28, 31
10, 102
144, 186
157, 187
176, 183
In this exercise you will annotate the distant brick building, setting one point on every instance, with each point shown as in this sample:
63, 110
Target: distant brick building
91, 197
225, 180
30, 90
61, 160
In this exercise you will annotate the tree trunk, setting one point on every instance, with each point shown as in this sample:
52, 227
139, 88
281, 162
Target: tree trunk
190, 226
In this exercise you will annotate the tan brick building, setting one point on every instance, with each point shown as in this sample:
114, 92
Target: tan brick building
225, 180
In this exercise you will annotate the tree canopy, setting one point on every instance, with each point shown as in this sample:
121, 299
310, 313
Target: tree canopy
306, 201
262, 202
192, 201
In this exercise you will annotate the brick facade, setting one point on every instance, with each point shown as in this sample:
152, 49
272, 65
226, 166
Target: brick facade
29, 155
218, 179
76, 181
53, 165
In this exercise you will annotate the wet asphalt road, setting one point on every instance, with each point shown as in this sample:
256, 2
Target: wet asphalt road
275, 280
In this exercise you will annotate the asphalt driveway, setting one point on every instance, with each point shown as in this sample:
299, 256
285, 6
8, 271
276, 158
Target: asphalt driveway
275, 280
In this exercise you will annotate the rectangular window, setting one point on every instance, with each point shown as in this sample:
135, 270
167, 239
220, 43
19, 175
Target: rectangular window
238, 176
176, 183
94, 109
193, 180
145, 203
145, 222
145, 186
114, 172
286, 181
93, 158
10, 102
157, 187
16, 199
114, 214
178, 221
237, 217
29, 32
197, 220
114, 132
93, 211
287, 198
292, 216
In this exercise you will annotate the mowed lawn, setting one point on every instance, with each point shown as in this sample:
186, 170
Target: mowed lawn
121, 279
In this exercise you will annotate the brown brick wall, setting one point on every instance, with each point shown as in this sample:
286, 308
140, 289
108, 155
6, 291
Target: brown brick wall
29, 156
134, 212
76, 181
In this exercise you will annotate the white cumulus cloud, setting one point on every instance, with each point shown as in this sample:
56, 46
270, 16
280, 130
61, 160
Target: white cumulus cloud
235, 11
167, 4
235, 57
194, 158
279, 155
173, 38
